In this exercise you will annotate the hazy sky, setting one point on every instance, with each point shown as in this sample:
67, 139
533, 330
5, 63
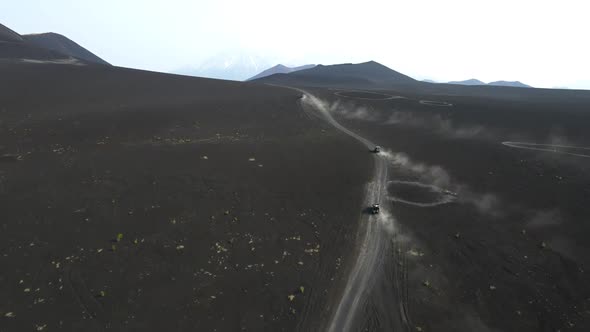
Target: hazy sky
542, 43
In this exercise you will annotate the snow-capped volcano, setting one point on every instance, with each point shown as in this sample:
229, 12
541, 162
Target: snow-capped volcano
237, 67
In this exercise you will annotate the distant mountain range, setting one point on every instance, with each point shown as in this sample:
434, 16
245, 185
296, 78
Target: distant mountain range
374, 76
366, 75
44, 46
280, 69
474, 81
515, 84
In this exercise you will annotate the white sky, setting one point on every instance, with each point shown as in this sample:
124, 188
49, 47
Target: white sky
542, 43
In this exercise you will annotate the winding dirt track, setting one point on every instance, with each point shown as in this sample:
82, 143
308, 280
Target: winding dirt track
375, 247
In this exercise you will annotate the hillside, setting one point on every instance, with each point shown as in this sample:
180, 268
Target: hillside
43, 47
279, 69
515, 84
363, 75
63, 45
472, 81
7, 35
25, 51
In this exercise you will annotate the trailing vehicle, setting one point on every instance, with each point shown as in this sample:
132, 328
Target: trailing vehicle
374, 209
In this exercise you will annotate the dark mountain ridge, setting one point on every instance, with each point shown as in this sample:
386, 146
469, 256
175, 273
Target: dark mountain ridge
43, 47
279, 69
474, 81
363, 75
59, 43
471, 81
515, 84
7, 35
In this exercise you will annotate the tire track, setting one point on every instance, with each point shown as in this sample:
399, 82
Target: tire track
550, 148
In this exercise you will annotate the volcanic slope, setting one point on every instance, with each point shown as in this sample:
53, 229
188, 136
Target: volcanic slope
7, 35
362, 75
472, 81
279, 69
63, 45
43, 47
490, 200
515, 84
14, 48
134, 200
